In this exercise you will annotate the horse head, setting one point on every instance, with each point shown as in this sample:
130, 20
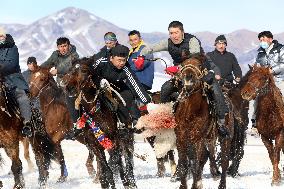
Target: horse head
190, 74
258, 79
78, 77
40, 79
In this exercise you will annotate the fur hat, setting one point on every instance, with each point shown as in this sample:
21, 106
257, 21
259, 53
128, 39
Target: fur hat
2, 31
221, 39
120, 51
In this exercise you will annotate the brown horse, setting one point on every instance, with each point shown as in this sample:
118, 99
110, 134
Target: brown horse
270, 113
57, 122
10, 135
82, 79
194, 123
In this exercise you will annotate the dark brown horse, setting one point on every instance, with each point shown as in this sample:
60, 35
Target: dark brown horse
195, 126
82, 79
57, 122
269, 115
10, 135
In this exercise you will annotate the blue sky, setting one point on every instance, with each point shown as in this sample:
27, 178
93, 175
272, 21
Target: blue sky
220, 16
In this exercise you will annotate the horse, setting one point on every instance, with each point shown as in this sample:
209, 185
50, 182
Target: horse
57, 121
195, 125
88, 90
241, 120
261, 87
11, 124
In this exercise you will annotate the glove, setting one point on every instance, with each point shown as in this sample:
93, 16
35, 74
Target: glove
172, 70
208, 78
139, 62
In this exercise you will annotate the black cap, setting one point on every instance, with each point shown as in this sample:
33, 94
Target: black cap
120, 51
221, 39
31, 60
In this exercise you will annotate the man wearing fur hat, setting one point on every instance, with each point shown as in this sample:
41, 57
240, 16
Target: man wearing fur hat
225, 61
11, 72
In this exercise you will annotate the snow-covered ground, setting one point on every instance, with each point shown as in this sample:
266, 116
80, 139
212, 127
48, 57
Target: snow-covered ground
255, 170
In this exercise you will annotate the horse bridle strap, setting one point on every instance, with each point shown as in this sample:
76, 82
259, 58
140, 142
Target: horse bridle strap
261, 90
40, 90
195, 70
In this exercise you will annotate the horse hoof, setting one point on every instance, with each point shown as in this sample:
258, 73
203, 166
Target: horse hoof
175, 179
19, 187
275, 183
1, 184
62, 179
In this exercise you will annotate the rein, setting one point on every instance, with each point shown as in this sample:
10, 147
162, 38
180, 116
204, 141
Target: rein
258, 91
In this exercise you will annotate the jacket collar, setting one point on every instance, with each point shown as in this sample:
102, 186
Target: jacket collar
136, 49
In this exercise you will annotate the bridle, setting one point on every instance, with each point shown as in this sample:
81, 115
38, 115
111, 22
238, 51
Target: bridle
262, 90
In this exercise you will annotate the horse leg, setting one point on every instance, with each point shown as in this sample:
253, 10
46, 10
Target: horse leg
103, 170
60, 159
225, 153
198, 158
26, 143
128, 150
13, 154
239, 140
1, 184
211, 153
89, 164
279, 141
182, 168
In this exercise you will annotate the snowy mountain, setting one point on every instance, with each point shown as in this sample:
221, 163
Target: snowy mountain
86, 31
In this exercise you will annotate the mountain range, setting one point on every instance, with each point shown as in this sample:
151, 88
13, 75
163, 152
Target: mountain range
86, 30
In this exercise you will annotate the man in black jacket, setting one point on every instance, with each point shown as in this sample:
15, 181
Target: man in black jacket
11, 72
124, 80
225, 61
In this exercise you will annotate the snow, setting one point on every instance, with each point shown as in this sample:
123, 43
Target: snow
255, 170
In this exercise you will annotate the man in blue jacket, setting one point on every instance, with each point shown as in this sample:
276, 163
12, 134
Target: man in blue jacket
144, 72
11, 72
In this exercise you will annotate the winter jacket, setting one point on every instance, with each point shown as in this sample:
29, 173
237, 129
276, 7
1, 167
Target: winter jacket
121, 78
274, 57
63, 63
146, 74
104, 52
9, 64
227, 63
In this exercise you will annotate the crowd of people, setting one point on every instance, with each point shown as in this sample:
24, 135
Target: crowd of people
132, 71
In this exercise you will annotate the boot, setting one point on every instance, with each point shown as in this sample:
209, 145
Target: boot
222, 130
27, 131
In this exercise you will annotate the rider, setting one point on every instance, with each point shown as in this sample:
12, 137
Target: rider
178, 44
124, 80
110, 42
225, 61
10, 70
270, 53
62, 59
144, 72
32, 66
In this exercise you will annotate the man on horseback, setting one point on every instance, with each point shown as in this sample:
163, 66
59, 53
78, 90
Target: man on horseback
225, 61
110, 42
123, 80
11, 73
62, 59
32, 66
270, 53
177, 45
